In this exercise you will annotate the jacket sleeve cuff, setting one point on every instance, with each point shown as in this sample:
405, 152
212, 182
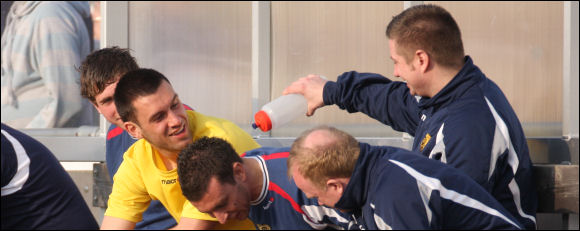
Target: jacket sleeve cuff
329, 93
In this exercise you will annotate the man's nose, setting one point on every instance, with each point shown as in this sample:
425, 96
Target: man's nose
173, 119
222, 217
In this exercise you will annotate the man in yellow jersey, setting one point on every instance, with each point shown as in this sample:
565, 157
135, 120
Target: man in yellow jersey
151, 110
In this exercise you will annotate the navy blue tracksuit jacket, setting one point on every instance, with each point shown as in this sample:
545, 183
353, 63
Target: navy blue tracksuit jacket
37, 192
469, 125
392, 188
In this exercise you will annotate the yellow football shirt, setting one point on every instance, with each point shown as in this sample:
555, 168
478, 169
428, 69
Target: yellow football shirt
142, 176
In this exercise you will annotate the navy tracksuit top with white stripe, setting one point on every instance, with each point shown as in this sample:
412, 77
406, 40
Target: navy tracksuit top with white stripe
281, 204
37, 192
393, 188
469, 125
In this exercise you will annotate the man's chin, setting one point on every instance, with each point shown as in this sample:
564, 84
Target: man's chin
118, 123
181, 146
242, 216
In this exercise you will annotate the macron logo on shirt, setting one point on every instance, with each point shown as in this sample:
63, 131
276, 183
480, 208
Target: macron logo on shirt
172, 181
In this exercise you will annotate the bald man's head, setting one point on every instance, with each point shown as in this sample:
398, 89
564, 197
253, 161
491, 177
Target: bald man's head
324, 152
321, 137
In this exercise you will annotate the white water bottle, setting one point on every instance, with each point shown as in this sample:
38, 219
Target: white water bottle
280, 111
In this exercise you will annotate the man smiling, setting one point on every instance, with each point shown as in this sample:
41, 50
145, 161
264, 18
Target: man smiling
151, 110
456, 114
100, 73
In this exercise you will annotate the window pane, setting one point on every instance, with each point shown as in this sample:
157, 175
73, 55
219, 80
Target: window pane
519, 46
203, 48
330, 38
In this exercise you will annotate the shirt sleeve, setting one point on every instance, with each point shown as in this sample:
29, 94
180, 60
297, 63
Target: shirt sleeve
9, 162
61, 41
129, 197
376, 96
118, 141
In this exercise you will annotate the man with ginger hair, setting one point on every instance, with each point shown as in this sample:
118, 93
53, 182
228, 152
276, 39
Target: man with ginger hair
390, 188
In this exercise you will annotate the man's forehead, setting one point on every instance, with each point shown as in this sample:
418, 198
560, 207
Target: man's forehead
214, 195
164, 94
108, 90
299, 179
111, 81
392, 46
145, 101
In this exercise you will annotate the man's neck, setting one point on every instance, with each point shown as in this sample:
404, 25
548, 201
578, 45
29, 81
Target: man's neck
255, 177
442, 77
169, 159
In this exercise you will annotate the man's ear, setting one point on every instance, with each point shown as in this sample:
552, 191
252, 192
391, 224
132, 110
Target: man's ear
239, 171
422, 60
133, 129
335, 186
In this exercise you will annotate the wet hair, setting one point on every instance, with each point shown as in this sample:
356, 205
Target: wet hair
202, 160
102, 68
430, 28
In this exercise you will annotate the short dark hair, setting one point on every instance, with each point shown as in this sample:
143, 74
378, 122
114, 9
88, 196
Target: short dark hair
200, 161
430, 28
133, 84
102, 67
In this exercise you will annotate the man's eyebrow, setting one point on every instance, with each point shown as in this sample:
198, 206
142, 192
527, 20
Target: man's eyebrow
157, 114
104, 100
154, 116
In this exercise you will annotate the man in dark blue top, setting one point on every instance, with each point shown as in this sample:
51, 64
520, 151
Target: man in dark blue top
217, 181
37, 193
456, 114
390, 188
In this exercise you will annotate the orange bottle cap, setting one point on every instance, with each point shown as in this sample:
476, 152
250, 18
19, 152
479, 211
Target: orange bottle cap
263, 121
